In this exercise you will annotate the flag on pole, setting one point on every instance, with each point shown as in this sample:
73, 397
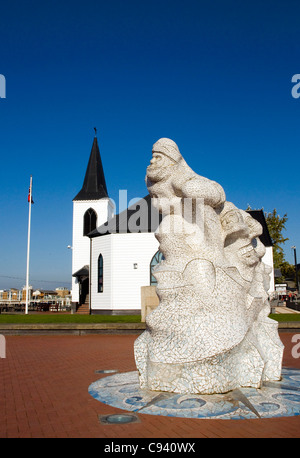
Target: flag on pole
30, 194
28, 245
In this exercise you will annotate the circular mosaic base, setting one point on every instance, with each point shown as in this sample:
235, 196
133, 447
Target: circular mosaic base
274, 399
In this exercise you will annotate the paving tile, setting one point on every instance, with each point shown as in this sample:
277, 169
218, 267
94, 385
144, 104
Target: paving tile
44, 384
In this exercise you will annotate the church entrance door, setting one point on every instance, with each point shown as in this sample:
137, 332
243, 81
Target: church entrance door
84, 290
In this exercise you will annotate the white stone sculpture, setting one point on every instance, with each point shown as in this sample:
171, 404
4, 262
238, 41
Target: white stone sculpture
211, 332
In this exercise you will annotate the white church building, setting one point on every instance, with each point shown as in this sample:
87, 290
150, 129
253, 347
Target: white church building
113, 255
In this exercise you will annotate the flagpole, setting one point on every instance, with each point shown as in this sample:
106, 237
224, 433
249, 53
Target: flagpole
28, 247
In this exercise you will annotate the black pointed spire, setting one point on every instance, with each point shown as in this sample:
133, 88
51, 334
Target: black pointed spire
94, 186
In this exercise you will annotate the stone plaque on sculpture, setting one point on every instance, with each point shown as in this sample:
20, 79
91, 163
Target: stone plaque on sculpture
210, 332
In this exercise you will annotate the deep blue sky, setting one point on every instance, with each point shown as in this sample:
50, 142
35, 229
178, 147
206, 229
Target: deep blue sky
215, 76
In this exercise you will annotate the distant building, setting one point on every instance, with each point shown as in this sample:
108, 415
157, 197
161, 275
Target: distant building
10, 295
24, 293
13, 295
44, 295
62, 292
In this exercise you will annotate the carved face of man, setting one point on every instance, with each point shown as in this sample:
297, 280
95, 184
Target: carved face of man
159, 167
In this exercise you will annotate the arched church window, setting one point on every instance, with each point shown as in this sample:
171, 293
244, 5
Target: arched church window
154, 261
89, 221
100, 274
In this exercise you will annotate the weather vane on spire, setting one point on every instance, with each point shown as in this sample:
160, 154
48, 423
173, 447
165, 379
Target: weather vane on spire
95, 131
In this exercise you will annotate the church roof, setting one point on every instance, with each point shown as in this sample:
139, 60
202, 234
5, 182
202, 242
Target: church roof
83, 272
94, 186
265, 237
144, 218
148, 220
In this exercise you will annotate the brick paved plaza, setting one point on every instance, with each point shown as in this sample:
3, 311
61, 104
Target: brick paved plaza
44, 393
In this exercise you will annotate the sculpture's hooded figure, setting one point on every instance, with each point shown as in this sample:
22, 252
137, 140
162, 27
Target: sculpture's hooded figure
211, 332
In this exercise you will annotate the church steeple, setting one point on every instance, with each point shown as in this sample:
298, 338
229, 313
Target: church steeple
94, 186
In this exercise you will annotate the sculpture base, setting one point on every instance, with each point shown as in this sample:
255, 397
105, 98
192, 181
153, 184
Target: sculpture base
274, 399
256, 359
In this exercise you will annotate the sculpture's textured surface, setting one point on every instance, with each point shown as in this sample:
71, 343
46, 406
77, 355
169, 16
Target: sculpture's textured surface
211, 332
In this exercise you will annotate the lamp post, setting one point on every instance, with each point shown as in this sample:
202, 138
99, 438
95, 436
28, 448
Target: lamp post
296, 268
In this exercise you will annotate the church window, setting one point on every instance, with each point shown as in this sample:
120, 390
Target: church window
100, 274
154, 261
89, 221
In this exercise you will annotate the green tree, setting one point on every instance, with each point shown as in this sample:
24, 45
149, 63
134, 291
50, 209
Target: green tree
287, 271
276, 226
